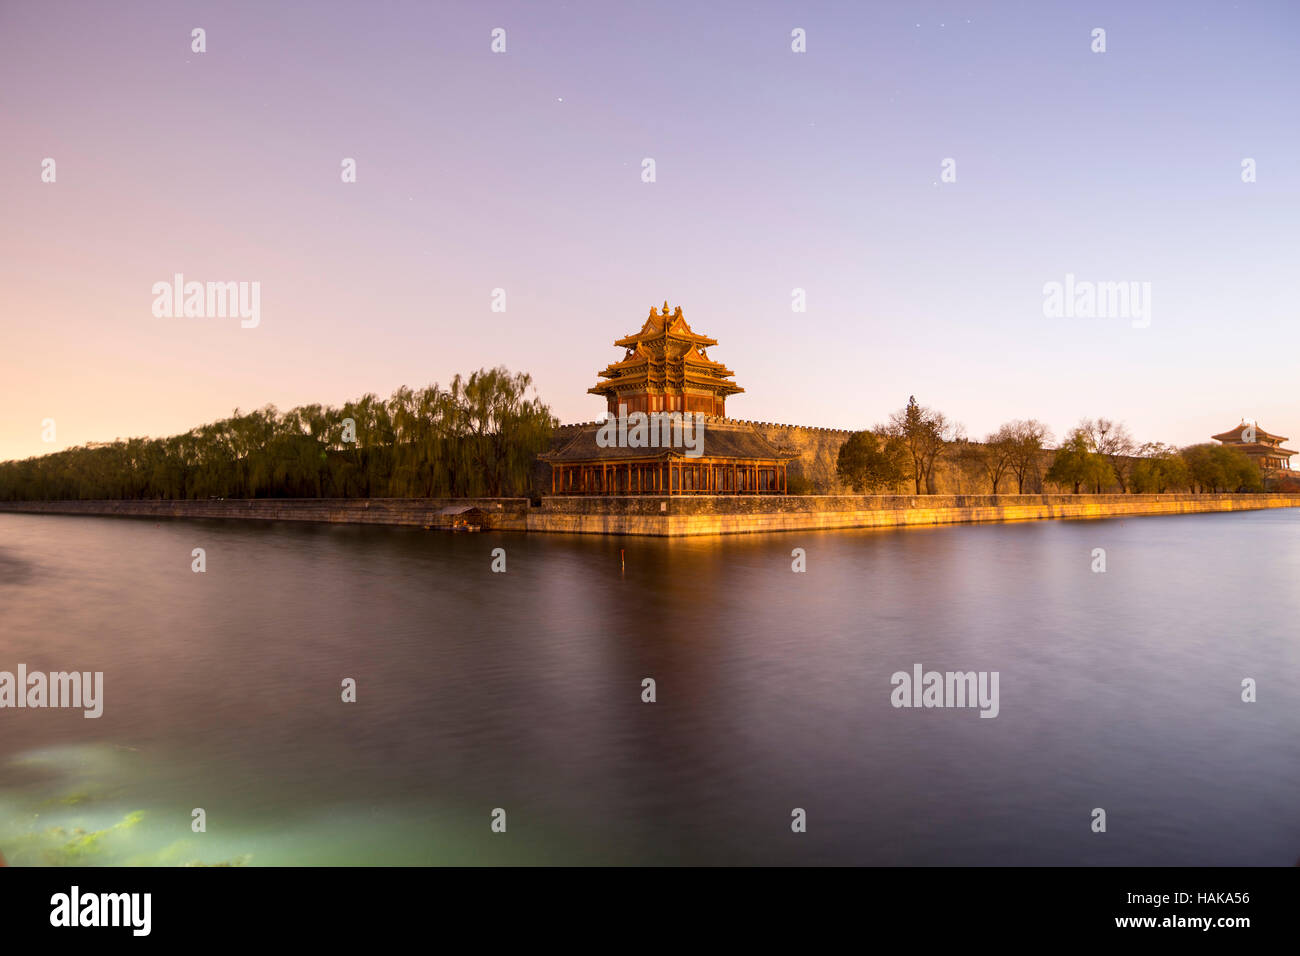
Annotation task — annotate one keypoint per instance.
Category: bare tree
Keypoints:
(1027, 439)
(1113, 442)
(925, 435)
(994, 456)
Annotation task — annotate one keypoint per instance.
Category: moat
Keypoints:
(522, 690)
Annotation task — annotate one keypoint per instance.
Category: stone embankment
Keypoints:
(677, 515)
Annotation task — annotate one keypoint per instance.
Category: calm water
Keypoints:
(523, 691)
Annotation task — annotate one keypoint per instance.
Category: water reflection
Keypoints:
(523, 691)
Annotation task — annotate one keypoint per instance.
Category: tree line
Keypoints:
(1096, 455)
(477, 437)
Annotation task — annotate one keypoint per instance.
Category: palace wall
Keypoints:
(813, 471)
(817, 449)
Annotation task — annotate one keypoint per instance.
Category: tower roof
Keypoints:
(666, 354)
(1235, 435)
(662, 325)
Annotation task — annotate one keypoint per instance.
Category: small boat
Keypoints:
(464, 518)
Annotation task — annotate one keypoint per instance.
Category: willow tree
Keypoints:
(508, 429)
(478, 436)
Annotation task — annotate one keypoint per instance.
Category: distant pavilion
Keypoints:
(1265, 450)
(666, 370)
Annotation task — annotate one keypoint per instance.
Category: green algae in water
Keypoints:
(71, 806)
(70, 845)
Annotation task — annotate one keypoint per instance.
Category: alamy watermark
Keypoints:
(947, 689)
(75, 908)
(653, 430)
(1084, 299)
(57, 689)
(208, 300)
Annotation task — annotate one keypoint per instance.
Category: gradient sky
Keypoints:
(775, 170)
